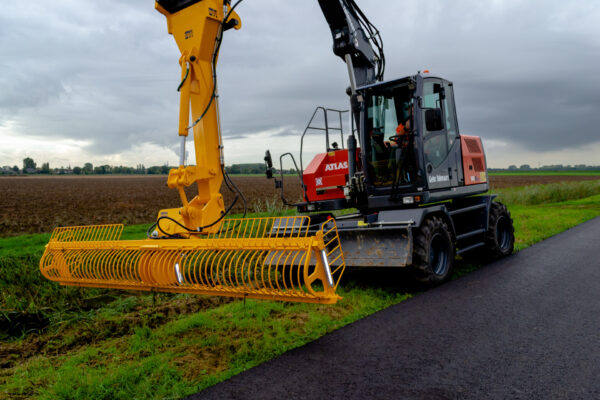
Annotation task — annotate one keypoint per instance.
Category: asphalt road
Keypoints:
(525, 327)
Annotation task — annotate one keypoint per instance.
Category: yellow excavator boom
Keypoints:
(198, 31)
(194, 249)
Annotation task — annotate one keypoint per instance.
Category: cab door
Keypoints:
(441, 147)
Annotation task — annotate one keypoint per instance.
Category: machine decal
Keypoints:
(189, 34)
(318, 181)
(336, 166)
(439, 178)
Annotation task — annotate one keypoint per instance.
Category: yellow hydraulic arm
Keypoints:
(198, 31)
(194, 249)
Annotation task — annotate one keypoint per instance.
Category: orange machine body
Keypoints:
(326, 176)
(474, 165)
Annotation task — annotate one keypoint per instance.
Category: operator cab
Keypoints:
(389, 139)
(409, 153)
(409, 136)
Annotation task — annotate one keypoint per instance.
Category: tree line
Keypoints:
(553, 167)
(31, 167)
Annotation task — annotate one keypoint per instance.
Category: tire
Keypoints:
(433, 252)
(500, 236)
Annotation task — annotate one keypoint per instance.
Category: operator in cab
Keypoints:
(400, 157)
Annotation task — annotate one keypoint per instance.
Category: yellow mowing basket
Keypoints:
(282, 258)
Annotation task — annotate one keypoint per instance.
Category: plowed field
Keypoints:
(33, 204)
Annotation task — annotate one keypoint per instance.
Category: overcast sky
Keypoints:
(96, 80)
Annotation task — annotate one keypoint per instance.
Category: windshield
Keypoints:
(389, 126)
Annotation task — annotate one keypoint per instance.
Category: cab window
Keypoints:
(387, 109)
(435, 142)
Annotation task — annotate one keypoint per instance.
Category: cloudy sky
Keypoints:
(96, 80)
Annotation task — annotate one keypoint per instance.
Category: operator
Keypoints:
(403, 129)
(402, 139)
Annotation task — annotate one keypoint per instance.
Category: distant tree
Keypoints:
(103, 169)
(154, 170)
(122, 170)
(164, 169)
(525, 167)
(15, 168)
(512, 167)
(45, 168)
(88, 168)
(28, 163)
(77, 170)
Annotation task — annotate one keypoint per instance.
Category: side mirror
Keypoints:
(268, 159)
(268, 164)
(433, 120)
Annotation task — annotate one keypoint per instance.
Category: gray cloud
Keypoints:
(106, 72)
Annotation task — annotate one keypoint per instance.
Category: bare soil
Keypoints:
(37, 204)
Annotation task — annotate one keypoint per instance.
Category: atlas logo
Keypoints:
(336, 166)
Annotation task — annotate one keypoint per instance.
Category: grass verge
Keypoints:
(121, 345)
(550, 193)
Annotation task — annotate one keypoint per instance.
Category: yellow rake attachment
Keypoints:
(282, 258)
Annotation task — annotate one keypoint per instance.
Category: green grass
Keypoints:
(104, 344)
(25, 245)
(533, 224)
(189, 353)
(550, 193)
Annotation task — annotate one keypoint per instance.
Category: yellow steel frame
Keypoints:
(262, 258)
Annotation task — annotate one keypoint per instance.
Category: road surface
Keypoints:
(525, 327)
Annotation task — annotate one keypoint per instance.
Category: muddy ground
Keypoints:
(36, 204)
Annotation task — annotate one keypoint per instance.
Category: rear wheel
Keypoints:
(500, 236)
(433, 252)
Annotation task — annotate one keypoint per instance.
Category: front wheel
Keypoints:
(433, 252)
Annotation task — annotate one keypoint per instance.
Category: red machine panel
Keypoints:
(473, 160)
(326, 176)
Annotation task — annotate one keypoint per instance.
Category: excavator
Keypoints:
(416, 184)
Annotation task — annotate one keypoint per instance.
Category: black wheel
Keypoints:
(433, 252)
(500, 236)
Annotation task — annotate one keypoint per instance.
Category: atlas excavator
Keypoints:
(417, 186)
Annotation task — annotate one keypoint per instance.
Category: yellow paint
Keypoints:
(262, 258)
(195, 30)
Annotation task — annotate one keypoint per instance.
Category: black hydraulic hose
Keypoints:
(200, 228)
(187, 72)
(374, 36)
(218, 42)
(227, 178)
